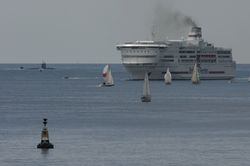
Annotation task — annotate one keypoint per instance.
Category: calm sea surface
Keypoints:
(184, 125)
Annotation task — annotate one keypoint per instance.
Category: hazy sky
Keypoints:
(86, 31)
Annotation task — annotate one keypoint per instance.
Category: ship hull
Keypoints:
(182, 72)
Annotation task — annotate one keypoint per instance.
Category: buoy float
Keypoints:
(45, 144)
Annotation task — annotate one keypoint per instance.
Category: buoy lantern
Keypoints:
(45, 144)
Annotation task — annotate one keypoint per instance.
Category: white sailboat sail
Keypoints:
(168, 77)
(195, 75)
(107, 76)
(146, 91)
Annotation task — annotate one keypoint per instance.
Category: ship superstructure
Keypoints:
(179, 56)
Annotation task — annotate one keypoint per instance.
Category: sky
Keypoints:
(86, 31)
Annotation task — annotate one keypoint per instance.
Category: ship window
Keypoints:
(187, 60)
(188, 52)
(167, 60)
(207, 61)
(169, 56)
(216, 72)
(207, 56)
(147, 64)
(180, 72)
(183, 56)
(225, 56)
(225, 61)
(223, 52)
(192, 56)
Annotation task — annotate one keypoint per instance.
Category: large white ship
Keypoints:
(179, 56)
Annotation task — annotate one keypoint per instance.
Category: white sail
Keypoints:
(168, 77)
(146, 91)
(195, 75)
(107, 76)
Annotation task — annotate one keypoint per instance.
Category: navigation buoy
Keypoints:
(45, 144)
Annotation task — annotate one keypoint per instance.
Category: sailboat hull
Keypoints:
(198, 82)
(107, 85)
(146, 99)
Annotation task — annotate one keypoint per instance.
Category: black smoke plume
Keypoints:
(170, 24)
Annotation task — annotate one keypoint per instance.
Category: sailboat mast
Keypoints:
(146, 91)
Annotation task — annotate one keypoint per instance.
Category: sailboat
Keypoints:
(168, 77)
(146, 92)
(195, 75)
(107, 76)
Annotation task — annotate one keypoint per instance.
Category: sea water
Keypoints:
(185, 124)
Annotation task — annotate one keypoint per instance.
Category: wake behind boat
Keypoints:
(107, 77)
(146, 97)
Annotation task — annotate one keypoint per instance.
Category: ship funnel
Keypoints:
(195, 33)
